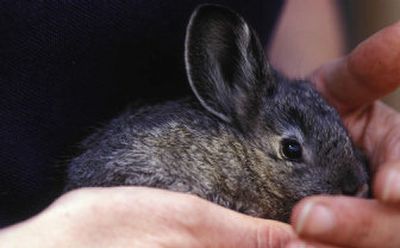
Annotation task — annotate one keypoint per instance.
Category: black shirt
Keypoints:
(66, 66)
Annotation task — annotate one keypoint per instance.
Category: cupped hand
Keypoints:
(354, 84)
(142, 217)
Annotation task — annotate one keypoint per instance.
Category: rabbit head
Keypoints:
(302, 145)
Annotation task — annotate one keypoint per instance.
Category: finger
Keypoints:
(245, 231)
(377, 130)
(387, 183)
(215, 226)
(345, 221)
(183, 220)
(369, 72)
(308, 244)
(221, 227)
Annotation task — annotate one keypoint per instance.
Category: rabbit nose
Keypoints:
(358, 191)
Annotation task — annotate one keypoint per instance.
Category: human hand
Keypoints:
(353, 84)
(142, 217)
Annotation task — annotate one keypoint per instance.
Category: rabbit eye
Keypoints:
(291, 149)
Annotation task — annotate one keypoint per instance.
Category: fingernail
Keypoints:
(315, 218)
(391, 189)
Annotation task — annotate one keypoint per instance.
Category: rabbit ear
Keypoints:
(225, 64)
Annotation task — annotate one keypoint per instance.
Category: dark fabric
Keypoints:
(66, 66)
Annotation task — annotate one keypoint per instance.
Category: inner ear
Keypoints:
(225, 63)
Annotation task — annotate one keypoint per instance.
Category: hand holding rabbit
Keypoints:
(354, 84)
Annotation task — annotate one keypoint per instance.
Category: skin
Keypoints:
(309, 33)
(142, 217)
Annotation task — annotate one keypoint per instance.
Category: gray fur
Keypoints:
(224, 143)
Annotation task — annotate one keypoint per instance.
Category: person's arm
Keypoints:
(309, 33)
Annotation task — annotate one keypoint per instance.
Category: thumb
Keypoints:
(369, 72)
(182, 220)
(211, 225)
(347, 222)
(205, 224)
(237, 230)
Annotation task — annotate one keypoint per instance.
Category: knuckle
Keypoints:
(272, 236)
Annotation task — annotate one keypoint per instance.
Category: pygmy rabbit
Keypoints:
(248, 139)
